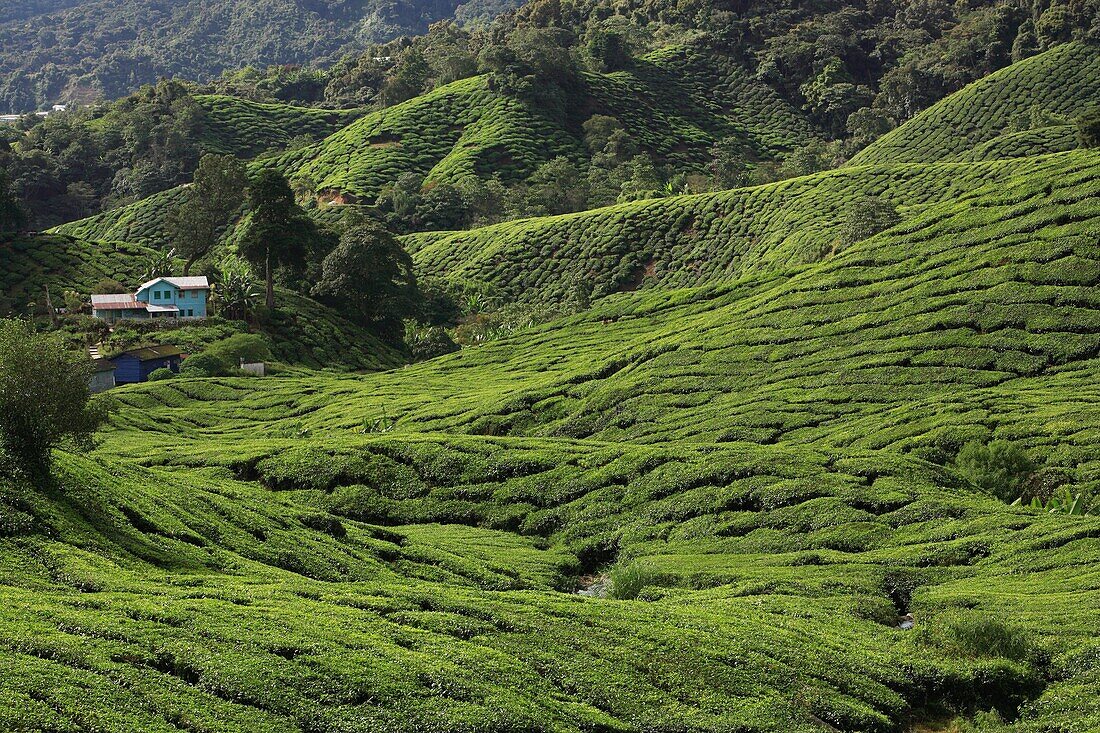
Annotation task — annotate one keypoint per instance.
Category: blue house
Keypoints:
(137, 364)
(162, 297)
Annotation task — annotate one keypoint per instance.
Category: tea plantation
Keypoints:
(724, 495)
(235, 126)
(1043, 91)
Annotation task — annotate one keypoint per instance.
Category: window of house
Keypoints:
(190, 311)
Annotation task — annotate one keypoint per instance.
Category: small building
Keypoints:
(137, 364)
(103, 376)
(162, 297)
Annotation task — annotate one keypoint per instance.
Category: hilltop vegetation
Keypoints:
(81, 51)
(1026, 109)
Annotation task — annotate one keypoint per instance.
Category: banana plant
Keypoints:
(1065, 503)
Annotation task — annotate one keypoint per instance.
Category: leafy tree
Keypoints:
(371, 275)
(831, 96)
(12, 217)
(557, 187)
(216, 194)
(44, 397)
(159, 264)
(1000, 467)
(866, 217)
(729, 164)
(408, 79)
(643, 180)
(278, 232)
(1088, 128)
(108, 287)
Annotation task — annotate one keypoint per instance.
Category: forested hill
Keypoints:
(54, 50)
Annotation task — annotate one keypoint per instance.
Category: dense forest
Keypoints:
(82, 51)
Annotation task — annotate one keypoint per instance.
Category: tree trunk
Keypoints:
(270, 283)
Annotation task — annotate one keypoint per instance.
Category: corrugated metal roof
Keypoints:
(116, 301)
(161, 308)
(152, 352)
(193, 282)
(103, 365)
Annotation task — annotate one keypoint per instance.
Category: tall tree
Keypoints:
(216, 194)
(370, 274)
(278, 232)
(12, 216)
(44, 397)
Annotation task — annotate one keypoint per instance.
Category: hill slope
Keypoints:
(296, 571)
(108, 48)
(1059, 82)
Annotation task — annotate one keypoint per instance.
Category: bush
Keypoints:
(1088, 129)
(44, 397)
(246, 346)
(202, 365)
(159, 375)
(428, 342)
(1001, 468)
(627, 581)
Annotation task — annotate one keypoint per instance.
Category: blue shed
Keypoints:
(137, 364)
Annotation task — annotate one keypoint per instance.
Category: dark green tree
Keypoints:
(369, 274)
(44, 397)
(216, 194)
(278, 232)
(1088, 128)
(866, 217)
(12, 216)
(1000, 467)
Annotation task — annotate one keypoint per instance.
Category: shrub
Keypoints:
(427, 342)
(246, 346)
(202, 365)
(627, 581)
(984, 636)
(1000, 467)
(158, 375)
(1088, 129)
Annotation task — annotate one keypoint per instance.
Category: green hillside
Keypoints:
(676, 103)
(1060, 83)
(234, 126)
(144, 222)
(686, 240)
(29, 264)
(761, 461)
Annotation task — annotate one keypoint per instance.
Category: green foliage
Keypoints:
(1000, 467)
(44, 398)
(1063, 503)
(12, 217)
(1088, 128)
(955, 128)
(627, 581)
(215, 195)
(159, 375)
(867, 217)
(277, 232)
(369, 274)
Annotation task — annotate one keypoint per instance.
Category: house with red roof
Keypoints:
(162, 297)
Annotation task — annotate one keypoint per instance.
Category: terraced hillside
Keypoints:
(29, 264)
(688, 240)
(235, 126)
(972, 124)
(975, 317)
(756, 461)
(676, 103)
(143, 223)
